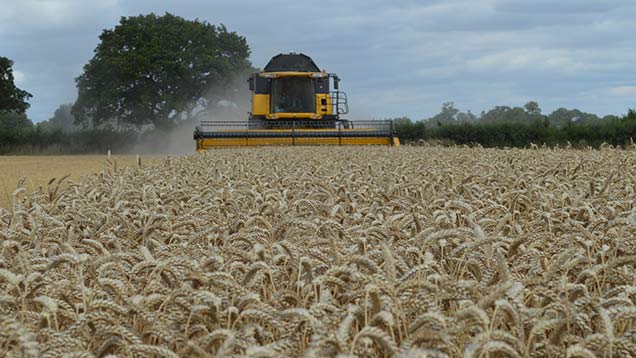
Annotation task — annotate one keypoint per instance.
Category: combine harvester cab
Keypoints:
(293, 104)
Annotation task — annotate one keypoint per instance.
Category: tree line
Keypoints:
(505, 126)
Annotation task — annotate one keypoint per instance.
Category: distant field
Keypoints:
(39, 170)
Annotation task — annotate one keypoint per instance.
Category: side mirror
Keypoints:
(336, 81)
(251, 82)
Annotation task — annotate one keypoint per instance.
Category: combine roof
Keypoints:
(297, 62)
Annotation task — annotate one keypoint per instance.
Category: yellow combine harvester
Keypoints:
(292, 104)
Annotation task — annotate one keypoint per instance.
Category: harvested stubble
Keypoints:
(429, 252)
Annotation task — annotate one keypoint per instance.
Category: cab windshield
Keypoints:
(293, 95)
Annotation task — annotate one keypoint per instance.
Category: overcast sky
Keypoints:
(396, 58)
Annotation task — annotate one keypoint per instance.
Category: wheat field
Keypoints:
(35, 171)
(328, 252)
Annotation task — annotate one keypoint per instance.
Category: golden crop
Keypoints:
(34, 171)
(325, 252)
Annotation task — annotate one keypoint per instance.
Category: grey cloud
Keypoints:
(559, 7)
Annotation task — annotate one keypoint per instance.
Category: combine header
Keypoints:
(292, 104)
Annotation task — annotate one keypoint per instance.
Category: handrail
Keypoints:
(339, 102)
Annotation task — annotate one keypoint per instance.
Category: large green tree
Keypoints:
(12, 99)
(158, 69)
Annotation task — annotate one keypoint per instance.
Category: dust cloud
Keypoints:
(227, 102)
